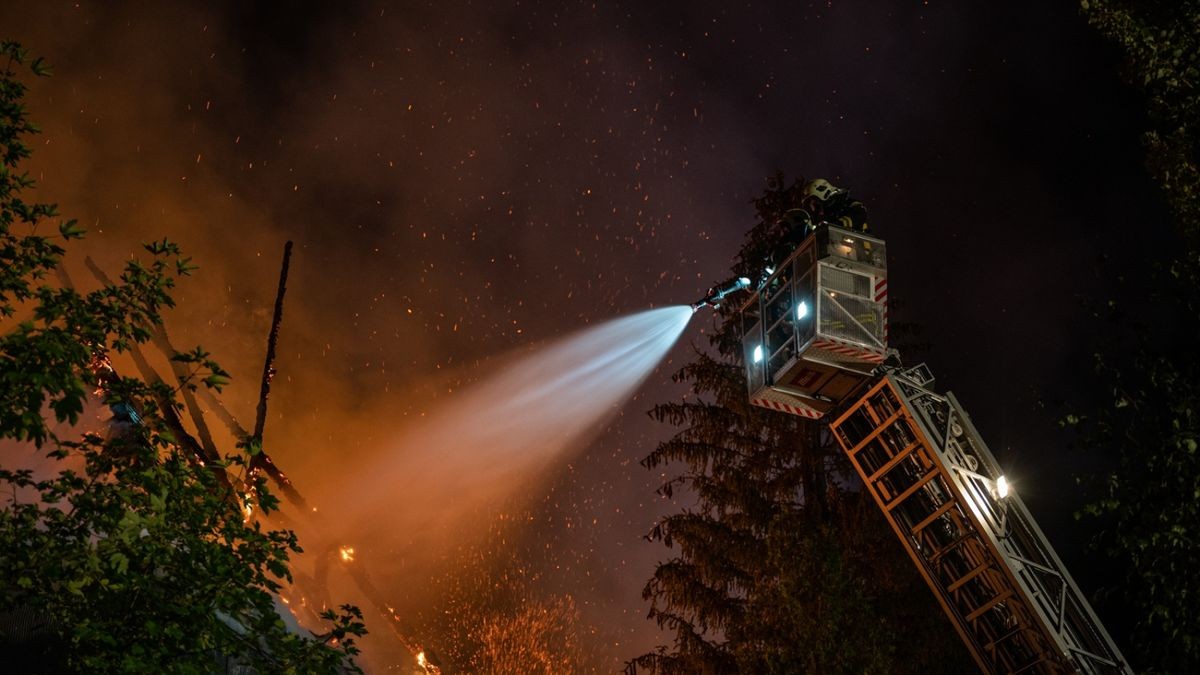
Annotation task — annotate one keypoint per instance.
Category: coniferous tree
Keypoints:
(782, 565)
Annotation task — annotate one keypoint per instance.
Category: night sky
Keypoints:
(466, 180)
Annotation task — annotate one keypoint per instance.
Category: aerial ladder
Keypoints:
(815, 345)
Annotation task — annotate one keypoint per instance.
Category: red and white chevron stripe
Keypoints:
(784, 407)
(849, 350)
(881, 297)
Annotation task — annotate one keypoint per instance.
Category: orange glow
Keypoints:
(347, 553)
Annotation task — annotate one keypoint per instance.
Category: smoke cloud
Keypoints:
(464, 181)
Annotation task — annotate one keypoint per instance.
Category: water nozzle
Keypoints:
(715, 295)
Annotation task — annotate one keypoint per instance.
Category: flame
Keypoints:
(347, 553)
(424, 663)
(101, 367)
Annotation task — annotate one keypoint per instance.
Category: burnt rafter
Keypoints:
(261, 461)
(204, 452)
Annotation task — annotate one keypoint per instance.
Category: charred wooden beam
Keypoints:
(272, 340)
(262, 461)
(180, 371)
(205, 454)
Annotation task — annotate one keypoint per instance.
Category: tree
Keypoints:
(138, 554)
(1161, 43)
(496, 614)
(783, 565)
(1147, 508)
(541, 637)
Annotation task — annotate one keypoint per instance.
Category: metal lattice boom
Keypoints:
(996, 576)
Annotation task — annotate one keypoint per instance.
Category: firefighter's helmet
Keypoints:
(821, 189)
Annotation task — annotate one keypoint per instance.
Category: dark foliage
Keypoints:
(1147, 508)
(136, 555)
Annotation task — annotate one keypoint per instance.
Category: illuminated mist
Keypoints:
(479, 446)
(442, 483)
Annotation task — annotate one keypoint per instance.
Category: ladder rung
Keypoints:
(941, 511)
(941, 552)
(891, 463)
(1029, 666)
(871, 404)
(991, 603)
(991, 646)
(874, 434)
(967, 577)
(912, 488)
